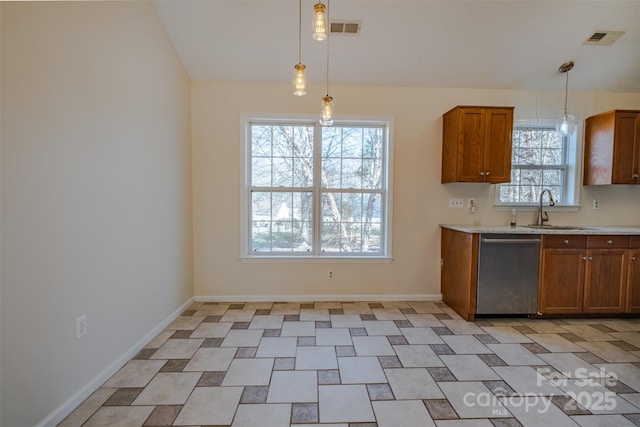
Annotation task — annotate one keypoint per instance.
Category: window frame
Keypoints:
(246, 253)
(572, 170)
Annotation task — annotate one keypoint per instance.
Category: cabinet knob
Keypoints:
(566, 241)
(481, 173)
(635, 176)
(590, 258)
(584, 258)
(633, 258)
(487, 173)
(609, 241)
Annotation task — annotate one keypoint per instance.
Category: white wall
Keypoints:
(96, 194)
(420, 201)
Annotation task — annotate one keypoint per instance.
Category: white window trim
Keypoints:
(573, 173)
(245, 205)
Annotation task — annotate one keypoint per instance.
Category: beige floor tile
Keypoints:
(277, 347)
(293, 386)
(346, 321)
(388, 314)
(212, 330)
(271, 321)
(310, 314)
(260, 415)
(210, 405)
(212, 310)
(468, 367)
(555, 343)
(473, 400)
(178, 349)
(298, 329)
(83, 412)
(243, 372)
(333, 336)
(609, 352)
(588, 332)
(412, 383)
(211, 359)
(160, 339)
(421, 336)
(462, 327)
(359, 370)
(381, 327)
(168, 388)
(506, 334)
(316, 358)
(602, 421)
(536, 411)
(372, 346)
(515, 354)
(465, 344)
(242, 338)
(402, 413)
(424, 307)
(424, 320)
(136, 373)
(238, 316)
(417, 356)
(185, 323)
(344, 403)
(119, 416)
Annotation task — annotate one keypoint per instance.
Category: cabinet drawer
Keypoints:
(608, 242)
(564, 241)
(634, 242)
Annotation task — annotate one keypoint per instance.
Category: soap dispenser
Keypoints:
(513, 217)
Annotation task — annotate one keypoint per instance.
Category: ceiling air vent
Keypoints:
(346, 27)
(603, 37)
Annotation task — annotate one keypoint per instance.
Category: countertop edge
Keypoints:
(505, 229)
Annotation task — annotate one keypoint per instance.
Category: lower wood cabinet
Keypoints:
(633, 276)
(588, 274)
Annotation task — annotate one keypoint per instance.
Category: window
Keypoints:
(540, 159)
(317, 191)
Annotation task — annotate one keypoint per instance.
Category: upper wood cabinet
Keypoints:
(612, 148)
(476, 144)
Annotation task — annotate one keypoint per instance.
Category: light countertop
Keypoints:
(505, 229)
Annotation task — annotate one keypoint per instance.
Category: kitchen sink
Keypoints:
(557, 227)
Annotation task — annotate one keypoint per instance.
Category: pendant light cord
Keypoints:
(300, 32)
(328, 38)
(566, 92)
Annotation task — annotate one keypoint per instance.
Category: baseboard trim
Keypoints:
(318, 298)
(67, 407)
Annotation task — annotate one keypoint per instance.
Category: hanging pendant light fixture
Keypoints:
(326, 115)
(299, 79)
(567, 122)
(320, 21)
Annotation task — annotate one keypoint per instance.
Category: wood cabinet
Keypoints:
(612, 148)
(459, 271)
(633, 276)
(605, 285)
(562, 269)
(476, 144)
(581, 274)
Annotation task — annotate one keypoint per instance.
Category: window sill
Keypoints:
(536, 207)
(268, 259)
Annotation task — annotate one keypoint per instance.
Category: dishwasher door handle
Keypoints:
(488, 240)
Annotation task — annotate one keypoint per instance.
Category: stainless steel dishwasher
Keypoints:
(508, 269)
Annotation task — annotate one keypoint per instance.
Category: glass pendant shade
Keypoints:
(326, 118)
(319, 22)
(566, 124)
(299, 81)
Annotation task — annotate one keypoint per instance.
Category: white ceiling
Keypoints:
(509, 44)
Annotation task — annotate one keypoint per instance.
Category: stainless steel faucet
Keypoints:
(544, 216)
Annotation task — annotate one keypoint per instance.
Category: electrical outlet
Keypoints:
(596, 204)
(81, 326)
(472, 205)
(330, 275)
(456, 203)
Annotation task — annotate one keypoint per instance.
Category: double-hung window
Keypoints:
(541, 159)
(315, 191)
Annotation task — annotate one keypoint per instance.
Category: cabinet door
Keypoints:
(471, 145)
(626, 149)
(497, 145)
(633, 282)
(561, 283)
(605, 281)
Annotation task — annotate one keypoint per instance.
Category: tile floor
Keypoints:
(384, 364)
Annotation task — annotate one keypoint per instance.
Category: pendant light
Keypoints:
(319, 21)
(299, 79)
(326, 115)
(567, 122)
